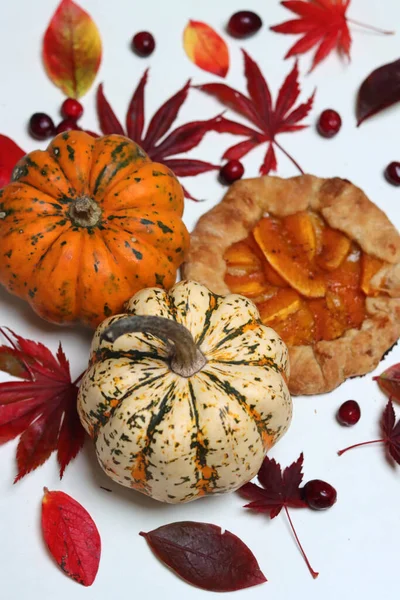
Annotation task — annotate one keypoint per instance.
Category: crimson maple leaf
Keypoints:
(389, 381)
(322, 23)
(258, 108)
(280, 490)
(390, 434)
(41, 407)
(159, 142)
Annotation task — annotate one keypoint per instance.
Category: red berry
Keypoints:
(231, 171)
(41, 126)
(319, 494)
(329, 123)
(243, 24)
(143, 43)
(71, 109)
(392, 173)
(67, 125)
(349, 413)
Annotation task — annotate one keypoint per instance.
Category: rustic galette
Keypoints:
(320, 261)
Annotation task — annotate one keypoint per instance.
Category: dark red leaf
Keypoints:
(288, 94)
(239, 150)
(234, 100)
(187, 167)
(270, 163)
(380, 90)
(182, 139)
(14, 428)
(205, 557)
(390, 434)
(164, 118)
(258, 91)
(71, 536)
(259, 110)
(222, 125)
(188, 195)
(71, 439)
(279, 491)
(41, 407)
(135, 114)
(108, 121)
(38, 442)
(10, 154)
(389, 382)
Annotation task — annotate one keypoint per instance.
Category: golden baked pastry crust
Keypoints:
(324, 365)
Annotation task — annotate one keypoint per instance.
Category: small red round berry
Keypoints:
(143, 43)
(41, 126)
(329, 123)
(319, 494)
(392, 173)
(231, 171)
(67, 125)
(71, 109)
(349, 413)
(243, 24)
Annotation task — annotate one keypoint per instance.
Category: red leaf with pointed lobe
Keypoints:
(271, 120)
(323, 24)
(10, 154)
(205, 557)
(159, 142)
(41, 407)
(109, 123)
(71, 536)
(280, 490)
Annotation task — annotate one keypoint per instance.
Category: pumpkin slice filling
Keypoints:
(309, 281)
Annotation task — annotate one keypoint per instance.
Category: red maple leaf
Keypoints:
(321, 23)
(41, 407)
(258, 108)
(280, 490)
(159, 142)
(390, 434)
(10, 154)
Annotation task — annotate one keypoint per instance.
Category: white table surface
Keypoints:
(354, 545)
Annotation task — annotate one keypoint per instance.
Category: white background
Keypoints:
(354, 545)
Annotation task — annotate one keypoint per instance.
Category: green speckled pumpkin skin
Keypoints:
(86, 224)
(176, 438)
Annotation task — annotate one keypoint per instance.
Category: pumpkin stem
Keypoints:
(85, 212)
(186, 358)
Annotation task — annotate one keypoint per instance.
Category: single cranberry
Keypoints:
(67, 125)
(231, 171)
(392, 173)
(329, 123)
(143, 43)
(349, 413)
(243, 24)
(71, 109)
(319, 494)
(41, 126)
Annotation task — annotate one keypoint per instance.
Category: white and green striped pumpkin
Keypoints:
(185, 393)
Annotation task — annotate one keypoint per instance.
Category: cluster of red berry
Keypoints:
(41, 125)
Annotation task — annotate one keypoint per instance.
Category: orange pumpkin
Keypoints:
(87, 223)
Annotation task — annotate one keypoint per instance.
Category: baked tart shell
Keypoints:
(324, 365)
